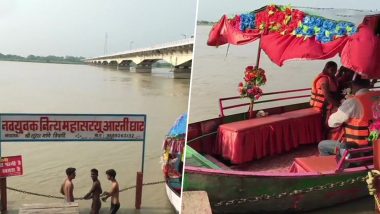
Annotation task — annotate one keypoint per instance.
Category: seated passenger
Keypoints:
(323, 92)
(344, 78)
(356, 114)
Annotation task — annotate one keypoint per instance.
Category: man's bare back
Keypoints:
(67, 189)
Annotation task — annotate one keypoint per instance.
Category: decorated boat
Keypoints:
(172, 160)
(267, 160)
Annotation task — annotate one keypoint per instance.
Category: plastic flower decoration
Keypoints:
(288, 21)
(247, 22)
(324, 30)
(374, 128)
(253, 79)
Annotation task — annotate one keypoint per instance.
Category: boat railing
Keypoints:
(223, 102)
(223, 106)
(362, 158)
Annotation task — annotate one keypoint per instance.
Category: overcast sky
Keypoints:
(78, 27)
(212, 10)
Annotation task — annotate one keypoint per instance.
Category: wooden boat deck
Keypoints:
(278, 163)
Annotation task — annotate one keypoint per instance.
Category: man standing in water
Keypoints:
(67, 188)
(95, 192)
(113, 193)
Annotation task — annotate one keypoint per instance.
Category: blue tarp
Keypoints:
(179, 127)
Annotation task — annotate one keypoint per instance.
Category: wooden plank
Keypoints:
(217, 162)
(50, 208)
(195, 202)
(50, 205)
(50, 211)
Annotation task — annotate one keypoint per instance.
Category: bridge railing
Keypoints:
(171, 44)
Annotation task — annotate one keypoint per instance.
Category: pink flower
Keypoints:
(240, 84)
(375, 126)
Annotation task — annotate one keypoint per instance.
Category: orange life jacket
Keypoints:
(318, 99)
(356, 129)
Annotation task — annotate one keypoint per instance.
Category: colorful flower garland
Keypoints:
(288, 21)
(253, 79)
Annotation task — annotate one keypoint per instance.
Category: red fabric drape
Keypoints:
(280, 48)
(362, 52)
(224, 32)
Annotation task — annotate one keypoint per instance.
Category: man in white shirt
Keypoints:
(351, 109)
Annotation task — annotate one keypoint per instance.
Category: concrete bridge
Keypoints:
(178, 53)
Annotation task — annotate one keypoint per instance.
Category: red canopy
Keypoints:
(224, 32)
(359, 52)
(362, 51)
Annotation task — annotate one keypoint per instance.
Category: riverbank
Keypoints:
(66, 89)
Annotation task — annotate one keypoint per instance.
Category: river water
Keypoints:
(216, 76)
(58, 88)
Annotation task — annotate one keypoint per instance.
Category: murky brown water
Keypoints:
(216, 76)
(56, 88)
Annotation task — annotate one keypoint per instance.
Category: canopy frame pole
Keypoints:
(228, 48)
(259, 52)
(354, 77)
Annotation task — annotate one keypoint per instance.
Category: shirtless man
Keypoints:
(95, 192)
(67, 188)
(113, 193)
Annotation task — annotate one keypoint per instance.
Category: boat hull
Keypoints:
(173, 197)
(235, 191)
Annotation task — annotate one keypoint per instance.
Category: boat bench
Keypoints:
(323, 164)
(319, 164)
(248, 140)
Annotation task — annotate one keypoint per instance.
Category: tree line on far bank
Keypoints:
(43, 59)
(61, 60)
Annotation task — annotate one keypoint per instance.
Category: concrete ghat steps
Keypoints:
(195, 202)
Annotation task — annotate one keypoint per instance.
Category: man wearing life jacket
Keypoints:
(324, 87)
(355, 114)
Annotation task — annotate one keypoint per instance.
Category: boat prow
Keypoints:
(173, 197)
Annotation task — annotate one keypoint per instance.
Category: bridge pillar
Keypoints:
(113, 65)
(144, 68)
(123, 67)
(181, 72)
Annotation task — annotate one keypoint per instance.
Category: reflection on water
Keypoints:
(216, 76)
(56, 88)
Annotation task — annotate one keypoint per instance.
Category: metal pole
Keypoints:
(376, 163)
(259, 52)
(140, 175)
(3, 185)
(139, 184)
(354, 77)
(228, 48)
(143, 147)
